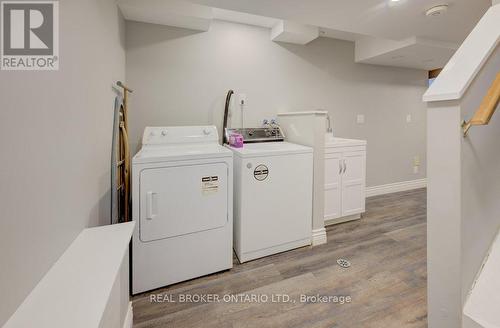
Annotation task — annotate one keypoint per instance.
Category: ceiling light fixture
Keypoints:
(436, 11)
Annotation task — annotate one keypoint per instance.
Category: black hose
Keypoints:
(226, 113)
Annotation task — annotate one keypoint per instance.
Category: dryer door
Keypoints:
(180, 200)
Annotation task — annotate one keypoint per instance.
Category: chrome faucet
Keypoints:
(226, 114)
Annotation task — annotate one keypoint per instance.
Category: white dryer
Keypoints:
(273, 194)
(182, 187)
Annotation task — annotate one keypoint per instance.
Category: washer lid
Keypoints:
(152, 154)
(270, 149)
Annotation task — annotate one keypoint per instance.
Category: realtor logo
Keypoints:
(29, 35)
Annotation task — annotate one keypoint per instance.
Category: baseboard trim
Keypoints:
(329, 222)
(319, 236)
(129, 317)
(396, 187)
(253, 255)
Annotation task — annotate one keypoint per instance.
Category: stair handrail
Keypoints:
(487, 108)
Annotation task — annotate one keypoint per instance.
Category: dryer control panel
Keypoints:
(179, 135)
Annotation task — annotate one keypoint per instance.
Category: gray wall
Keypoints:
(55, 139)
(480, 177)
(444, 286)
(181, 78)
(463, 212)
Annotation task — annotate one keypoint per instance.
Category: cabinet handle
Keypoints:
(345, 166)
(340, 167)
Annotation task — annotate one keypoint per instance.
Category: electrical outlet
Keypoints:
(416, 164)
(360, 119)
(242, 99)
(408, 118)
(416, 161)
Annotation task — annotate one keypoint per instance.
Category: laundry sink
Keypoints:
(329, 137)
(331, 141)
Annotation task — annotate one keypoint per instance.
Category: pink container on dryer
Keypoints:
(236, 140)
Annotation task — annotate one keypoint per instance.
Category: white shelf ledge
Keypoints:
(75, 291)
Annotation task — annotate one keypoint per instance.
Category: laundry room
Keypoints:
(212, 163)
(185, 76)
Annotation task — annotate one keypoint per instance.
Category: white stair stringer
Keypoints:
(482, 308)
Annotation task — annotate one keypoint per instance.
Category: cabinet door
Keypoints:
(353, 182)
(333, 186)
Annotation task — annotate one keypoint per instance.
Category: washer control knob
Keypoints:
(163, 133)
(249, 165)
(207, 132)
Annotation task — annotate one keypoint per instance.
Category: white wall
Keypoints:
(463, 215)
(55, 139)
(116, 312)
(480, 177)
(181, 78)
(444, 285)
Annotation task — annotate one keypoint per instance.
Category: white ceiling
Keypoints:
(244, 18)
(379, 18)
(385, 32)
(168, 12)
(413, 52)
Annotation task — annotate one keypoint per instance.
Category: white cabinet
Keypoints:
(333, 185)
(345, 180)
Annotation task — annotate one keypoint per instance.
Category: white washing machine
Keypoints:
(182, 191)
(273, 194)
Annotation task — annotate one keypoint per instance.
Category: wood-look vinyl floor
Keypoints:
(386, 281)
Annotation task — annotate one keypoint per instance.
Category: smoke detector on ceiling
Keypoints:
(436, 11)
